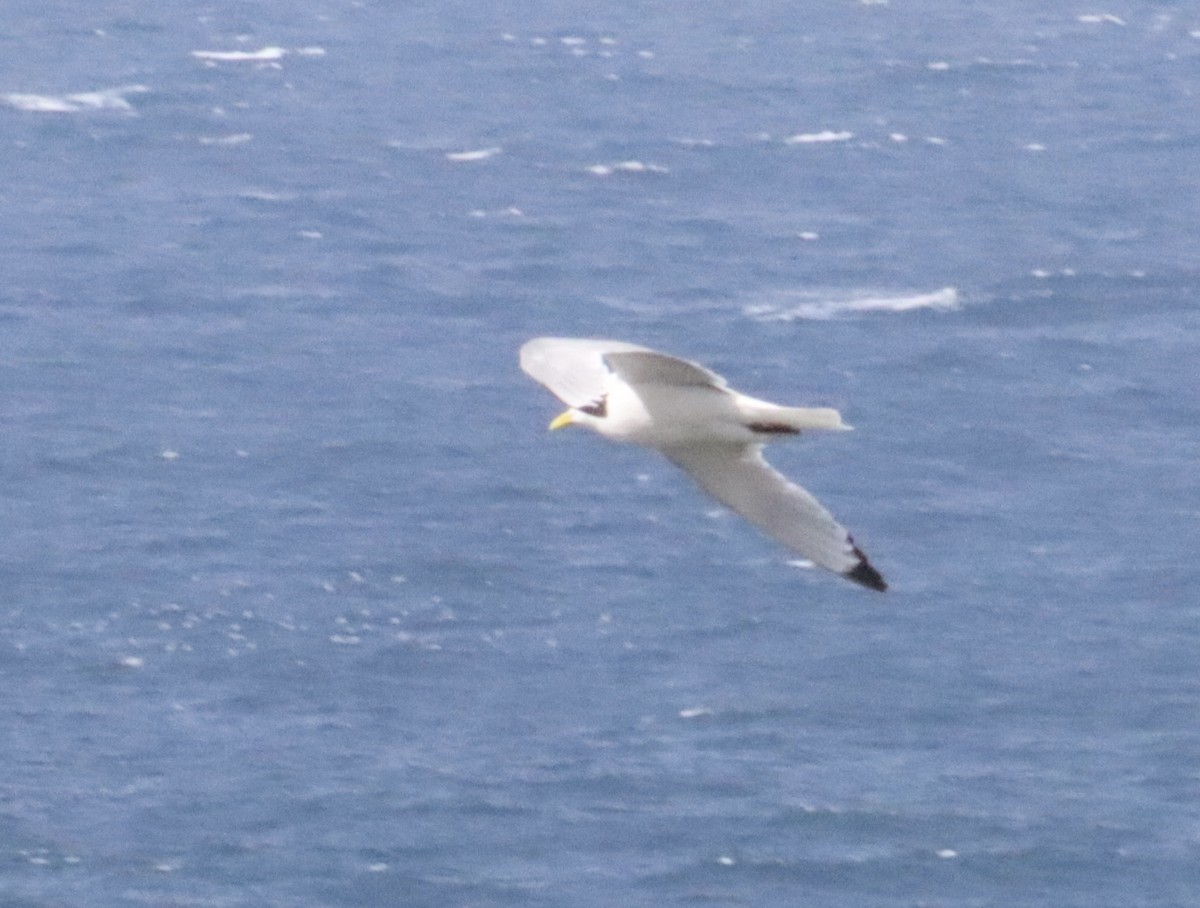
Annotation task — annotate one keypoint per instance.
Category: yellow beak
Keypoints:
(563, 419)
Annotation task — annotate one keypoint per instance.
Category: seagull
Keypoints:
(714, 434)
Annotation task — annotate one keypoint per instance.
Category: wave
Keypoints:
(270, 55)
(818, 309)
(607, 170)
(262, 55)
(819, 138)
(79, 102)
(481, 154)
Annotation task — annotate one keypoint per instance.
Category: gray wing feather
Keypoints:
(741, 479)
(649, 367)
(573, 370)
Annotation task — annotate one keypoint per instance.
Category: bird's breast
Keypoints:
(660, 416)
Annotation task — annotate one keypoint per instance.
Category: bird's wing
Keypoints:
(573, 370)
(637, 367)
(741, 479)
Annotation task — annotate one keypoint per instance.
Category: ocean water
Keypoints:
(301, 605)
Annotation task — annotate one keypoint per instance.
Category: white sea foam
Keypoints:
(237, 138)
(512, 211)
(481, 154)
(807, 306)
(262, 55)
(819, 138)
(103, 99)
(607, 170)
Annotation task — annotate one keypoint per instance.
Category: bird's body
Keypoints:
(688, 413)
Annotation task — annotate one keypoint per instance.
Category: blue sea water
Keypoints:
(300, 604)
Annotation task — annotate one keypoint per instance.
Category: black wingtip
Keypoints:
(865, 574)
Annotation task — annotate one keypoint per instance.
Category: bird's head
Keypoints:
(592, 415)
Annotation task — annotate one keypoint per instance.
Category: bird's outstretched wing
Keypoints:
(648, 367)
(576, 371)
(741, 479)
(573, 370)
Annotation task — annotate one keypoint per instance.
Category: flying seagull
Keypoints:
(704, 427)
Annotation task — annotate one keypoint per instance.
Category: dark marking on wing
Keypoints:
(864, 573)
(772, 428)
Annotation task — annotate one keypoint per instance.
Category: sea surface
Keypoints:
(301, 605)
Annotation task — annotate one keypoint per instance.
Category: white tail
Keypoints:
(772, 419)
(815, 418)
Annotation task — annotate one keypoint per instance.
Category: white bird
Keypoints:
(689, 414)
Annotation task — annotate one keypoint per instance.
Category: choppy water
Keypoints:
(300, 604)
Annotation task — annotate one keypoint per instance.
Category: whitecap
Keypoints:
(266, 195)
(512, 211)
(237, 138)
(103, 99)
(605, 170)
(39, 103)
(820, 309)
(481, 154)
(263, 55)
(818, 138)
